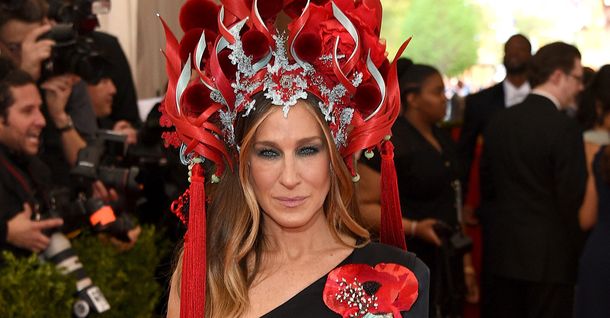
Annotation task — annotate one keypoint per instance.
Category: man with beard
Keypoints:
(480, 107)
(533, 176)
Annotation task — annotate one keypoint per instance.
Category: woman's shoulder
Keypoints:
(596, 137)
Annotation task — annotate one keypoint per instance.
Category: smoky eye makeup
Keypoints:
(266, 153)
(309, 150)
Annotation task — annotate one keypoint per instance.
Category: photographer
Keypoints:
(82, 15)
(102, 98)
(21, 123)
(23, 38)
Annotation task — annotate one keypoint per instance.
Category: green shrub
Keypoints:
(29, 288)
(127, 279)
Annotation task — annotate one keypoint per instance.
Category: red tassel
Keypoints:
(192, 289)
(391, 230)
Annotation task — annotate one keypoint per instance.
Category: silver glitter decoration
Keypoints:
(328, 58)
(238, 57)
(284, 84)
(249, 107)
(291, 84)
(357, 79)
(344, 120)
(227, 118)
(354, 296)
(217, 97)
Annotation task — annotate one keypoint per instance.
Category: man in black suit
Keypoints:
(481, 106)
(533, 175)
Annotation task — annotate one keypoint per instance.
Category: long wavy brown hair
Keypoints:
(235, 240)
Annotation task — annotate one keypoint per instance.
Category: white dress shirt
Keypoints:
(515, 95)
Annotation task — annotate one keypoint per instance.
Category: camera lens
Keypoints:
(80, 309)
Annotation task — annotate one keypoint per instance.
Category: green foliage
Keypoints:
(126, 278)
(444, 33)
(29, 288)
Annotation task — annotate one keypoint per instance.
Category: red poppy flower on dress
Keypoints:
(356, 290)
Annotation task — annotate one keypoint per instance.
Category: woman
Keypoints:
(593, 285)
(275, 135)
(286, 166)
(595, 97)
(427, 169)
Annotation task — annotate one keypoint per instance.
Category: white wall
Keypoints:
(135, 24)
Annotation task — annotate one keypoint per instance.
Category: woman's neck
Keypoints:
(293, 244)
(415, 118)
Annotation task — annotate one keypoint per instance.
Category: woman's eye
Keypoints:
(267, 153)
(308, 151)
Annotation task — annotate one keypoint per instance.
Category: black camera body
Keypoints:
(79, 211)
(73, 53)
(106, 159)
(454, 239)
(74, 50)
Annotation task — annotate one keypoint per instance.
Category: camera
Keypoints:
(79, 211)
(74, 51)
(90, 297)
(107, 159)
(59, 203)
(454, 239)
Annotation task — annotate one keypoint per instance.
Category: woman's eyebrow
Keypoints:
(305, 140)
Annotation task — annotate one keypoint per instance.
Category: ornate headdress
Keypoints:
(331, 49)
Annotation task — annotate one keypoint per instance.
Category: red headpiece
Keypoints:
(332, 50)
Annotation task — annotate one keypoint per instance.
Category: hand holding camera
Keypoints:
(35, 50)
(28, 234)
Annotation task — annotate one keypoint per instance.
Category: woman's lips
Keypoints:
(291, 202)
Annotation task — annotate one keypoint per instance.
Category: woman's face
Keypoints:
(431, 100)
(290, 168)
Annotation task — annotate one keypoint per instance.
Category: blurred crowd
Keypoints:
(504, 191)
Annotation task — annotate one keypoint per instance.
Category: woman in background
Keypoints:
(593, 285)
(595, 97)
(428, 171)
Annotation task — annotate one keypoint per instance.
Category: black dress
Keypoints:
(309, 302)
(593, 289)
(425, 185)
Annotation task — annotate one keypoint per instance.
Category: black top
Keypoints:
(17, 186)
(424, 174)
(309, 302)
